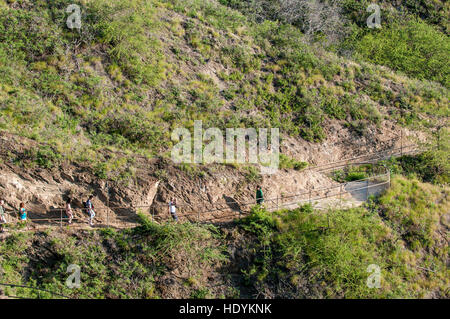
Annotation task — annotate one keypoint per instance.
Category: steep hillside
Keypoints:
(137, 69)
(287, 254)
(412, 36)
(91, 110)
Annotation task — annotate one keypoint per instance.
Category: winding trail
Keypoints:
(348, 195)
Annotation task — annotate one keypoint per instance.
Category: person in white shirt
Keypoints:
(2, 215)
(69, 211)
(173, 208)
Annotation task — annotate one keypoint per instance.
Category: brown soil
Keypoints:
(222, 188)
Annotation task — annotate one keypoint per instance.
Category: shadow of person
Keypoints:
(232, 203)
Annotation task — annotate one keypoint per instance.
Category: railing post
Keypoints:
(367, 189)
(438, 138)
(310, 191)
(60, 220)
(389, 177)
(152, 211)
(107, 204)
(340, 195)
(401, 141)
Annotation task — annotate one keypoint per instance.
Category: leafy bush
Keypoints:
(355, 176)
(252, 174)
(416, 209)
(290, 163)
(412, 47)
(353, 173)
(46, 157)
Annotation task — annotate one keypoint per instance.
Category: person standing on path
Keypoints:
(69, 211)
(259, 195)
(173, 208)
(22, 212)
(90, 210)
(2, 215)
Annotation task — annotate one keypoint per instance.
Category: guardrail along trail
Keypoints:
(38, 290)
(344, 195)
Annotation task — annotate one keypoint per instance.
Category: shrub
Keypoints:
(412, 47)
(46, 157)
(290, 163)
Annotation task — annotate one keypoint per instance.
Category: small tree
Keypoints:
(315, 18)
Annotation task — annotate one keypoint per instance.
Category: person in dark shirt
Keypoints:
(259, 195)
(90, 209)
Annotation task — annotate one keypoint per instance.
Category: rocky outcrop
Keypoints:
(203, 193)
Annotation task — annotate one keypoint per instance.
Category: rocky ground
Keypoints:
(210, 187)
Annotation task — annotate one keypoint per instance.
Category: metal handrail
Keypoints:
(240, 204)
(34, 288)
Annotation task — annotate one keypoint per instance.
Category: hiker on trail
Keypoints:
(173, 208)
(2, 215)
(90, 210)
(22, 212)
(69, 211)
(259, 195)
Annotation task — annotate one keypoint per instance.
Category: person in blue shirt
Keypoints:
(90, 210)
(2, 215)
(22, 212)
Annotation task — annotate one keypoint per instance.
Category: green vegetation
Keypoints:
(424, 166)
(137, 69)
(114, 264)
(431, 166)
(353, 173)
(413, 37)
(417, 209)
(300, 253)
(252, 174)
(114, 91)
(327, 254)
(413, 47)
(290, 163)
